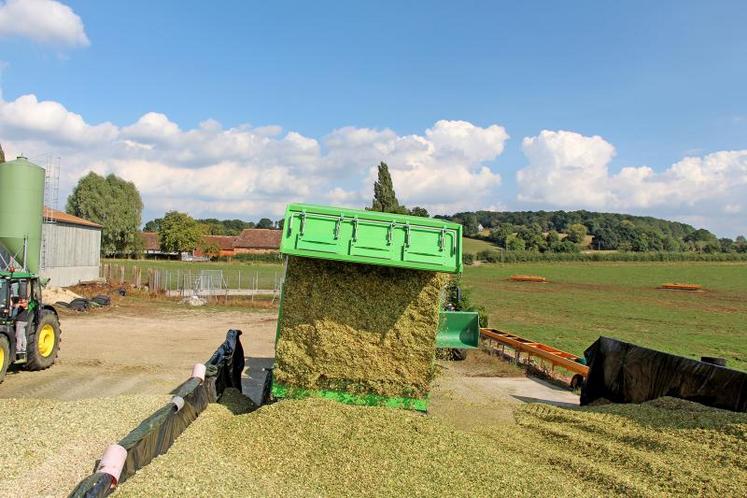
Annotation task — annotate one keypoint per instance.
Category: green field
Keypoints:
(473, 246)
(583, 301)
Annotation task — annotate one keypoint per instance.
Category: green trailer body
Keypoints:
(385, 239)
(370, 237)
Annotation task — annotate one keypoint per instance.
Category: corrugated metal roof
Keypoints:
(61, 217)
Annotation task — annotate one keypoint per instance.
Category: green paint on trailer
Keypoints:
(458, 330)
(418, 404)
(371, 237)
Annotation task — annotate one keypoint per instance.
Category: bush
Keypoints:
(489, 256)
(468, 258)
(270, 257)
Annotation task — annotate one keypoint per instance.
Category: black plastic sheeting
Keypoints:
(155, 435)
(625, 373)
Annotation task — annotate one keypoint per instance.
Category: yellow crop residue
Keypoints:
(358, 328)
(317, 447)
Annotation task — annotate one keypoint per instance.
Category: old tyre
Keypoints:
(577, 382)
(4, 356)
(458, 354)
(44, 342)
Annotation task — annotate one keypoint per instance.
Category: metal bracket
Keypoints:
(303, 222)
(337, 226)
(355, 229)
(441, 237)
(389, 232)
(407, 235)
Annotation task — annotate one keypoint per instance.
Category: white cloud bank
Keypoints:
(569, 170)
(44, 21)
(246, 171)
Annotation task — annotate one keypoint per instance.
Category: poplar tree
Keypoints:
(385, 200)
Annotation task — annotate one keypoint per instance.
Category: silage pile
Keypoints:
(51, 295)
(47, 446)
(316, 447)
(358, 328)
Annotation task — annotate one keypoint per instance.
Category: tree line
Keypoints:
(116, 204)
(567, 231)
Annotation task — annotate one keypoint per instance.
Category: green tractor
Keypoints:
(21, 215)
(42, 326)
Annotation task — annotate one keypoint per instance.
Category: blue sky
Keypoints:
(657, 82)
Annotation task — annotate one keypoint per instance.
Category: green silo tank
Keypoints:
(21, 210)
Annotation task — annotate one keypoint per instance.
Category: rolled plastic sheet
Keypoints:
(112, 462)
(625, 373)
(155, 435)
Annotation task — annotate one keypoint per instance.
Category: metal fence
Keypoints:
(203, 283)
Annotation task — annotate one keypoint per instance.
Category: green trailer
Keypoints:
(384, 239)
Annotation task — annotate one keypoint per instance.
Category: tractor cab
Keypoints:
(41, 330)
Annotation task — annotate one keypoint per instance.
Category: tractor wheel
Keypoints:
(4, 356)
(44, 343)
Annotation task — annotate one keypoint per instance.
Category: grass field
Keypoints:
(586, 300)
(473, 246)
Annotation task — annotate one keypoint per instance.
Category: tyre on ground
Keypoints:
(44, 342)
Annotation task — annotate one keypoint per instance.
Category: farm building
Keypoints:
(223, 243)
(249, 241)
(71, 249)
(257, 241)
(151, 245)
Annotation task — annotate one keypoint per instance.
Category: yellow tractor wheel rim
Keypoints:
(46, 340)
(2, 359)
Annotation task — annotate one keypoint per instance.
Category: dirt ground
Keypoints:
(137, 350)
(140, 348)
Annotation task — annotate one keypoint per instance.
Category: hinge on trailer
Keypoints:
(441, 237)
(407, 235)
(355, 229)
(389, 234)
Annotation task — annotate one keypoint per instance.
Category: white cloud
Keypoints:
(44, 21)
(565, 169)
(569, 170)
(444, 170)
(50, 120)
(245, 171)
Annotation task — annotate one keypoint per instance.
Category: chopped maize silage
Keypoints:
(48, 446)
(358, 328)
(317, 447)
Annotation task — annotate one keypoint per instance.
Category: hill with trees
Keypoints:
(571, 231)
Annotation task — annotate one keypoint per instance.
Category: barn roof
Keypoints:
(62, 217)
(258, 238)
(224, 242)
(150, 241)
